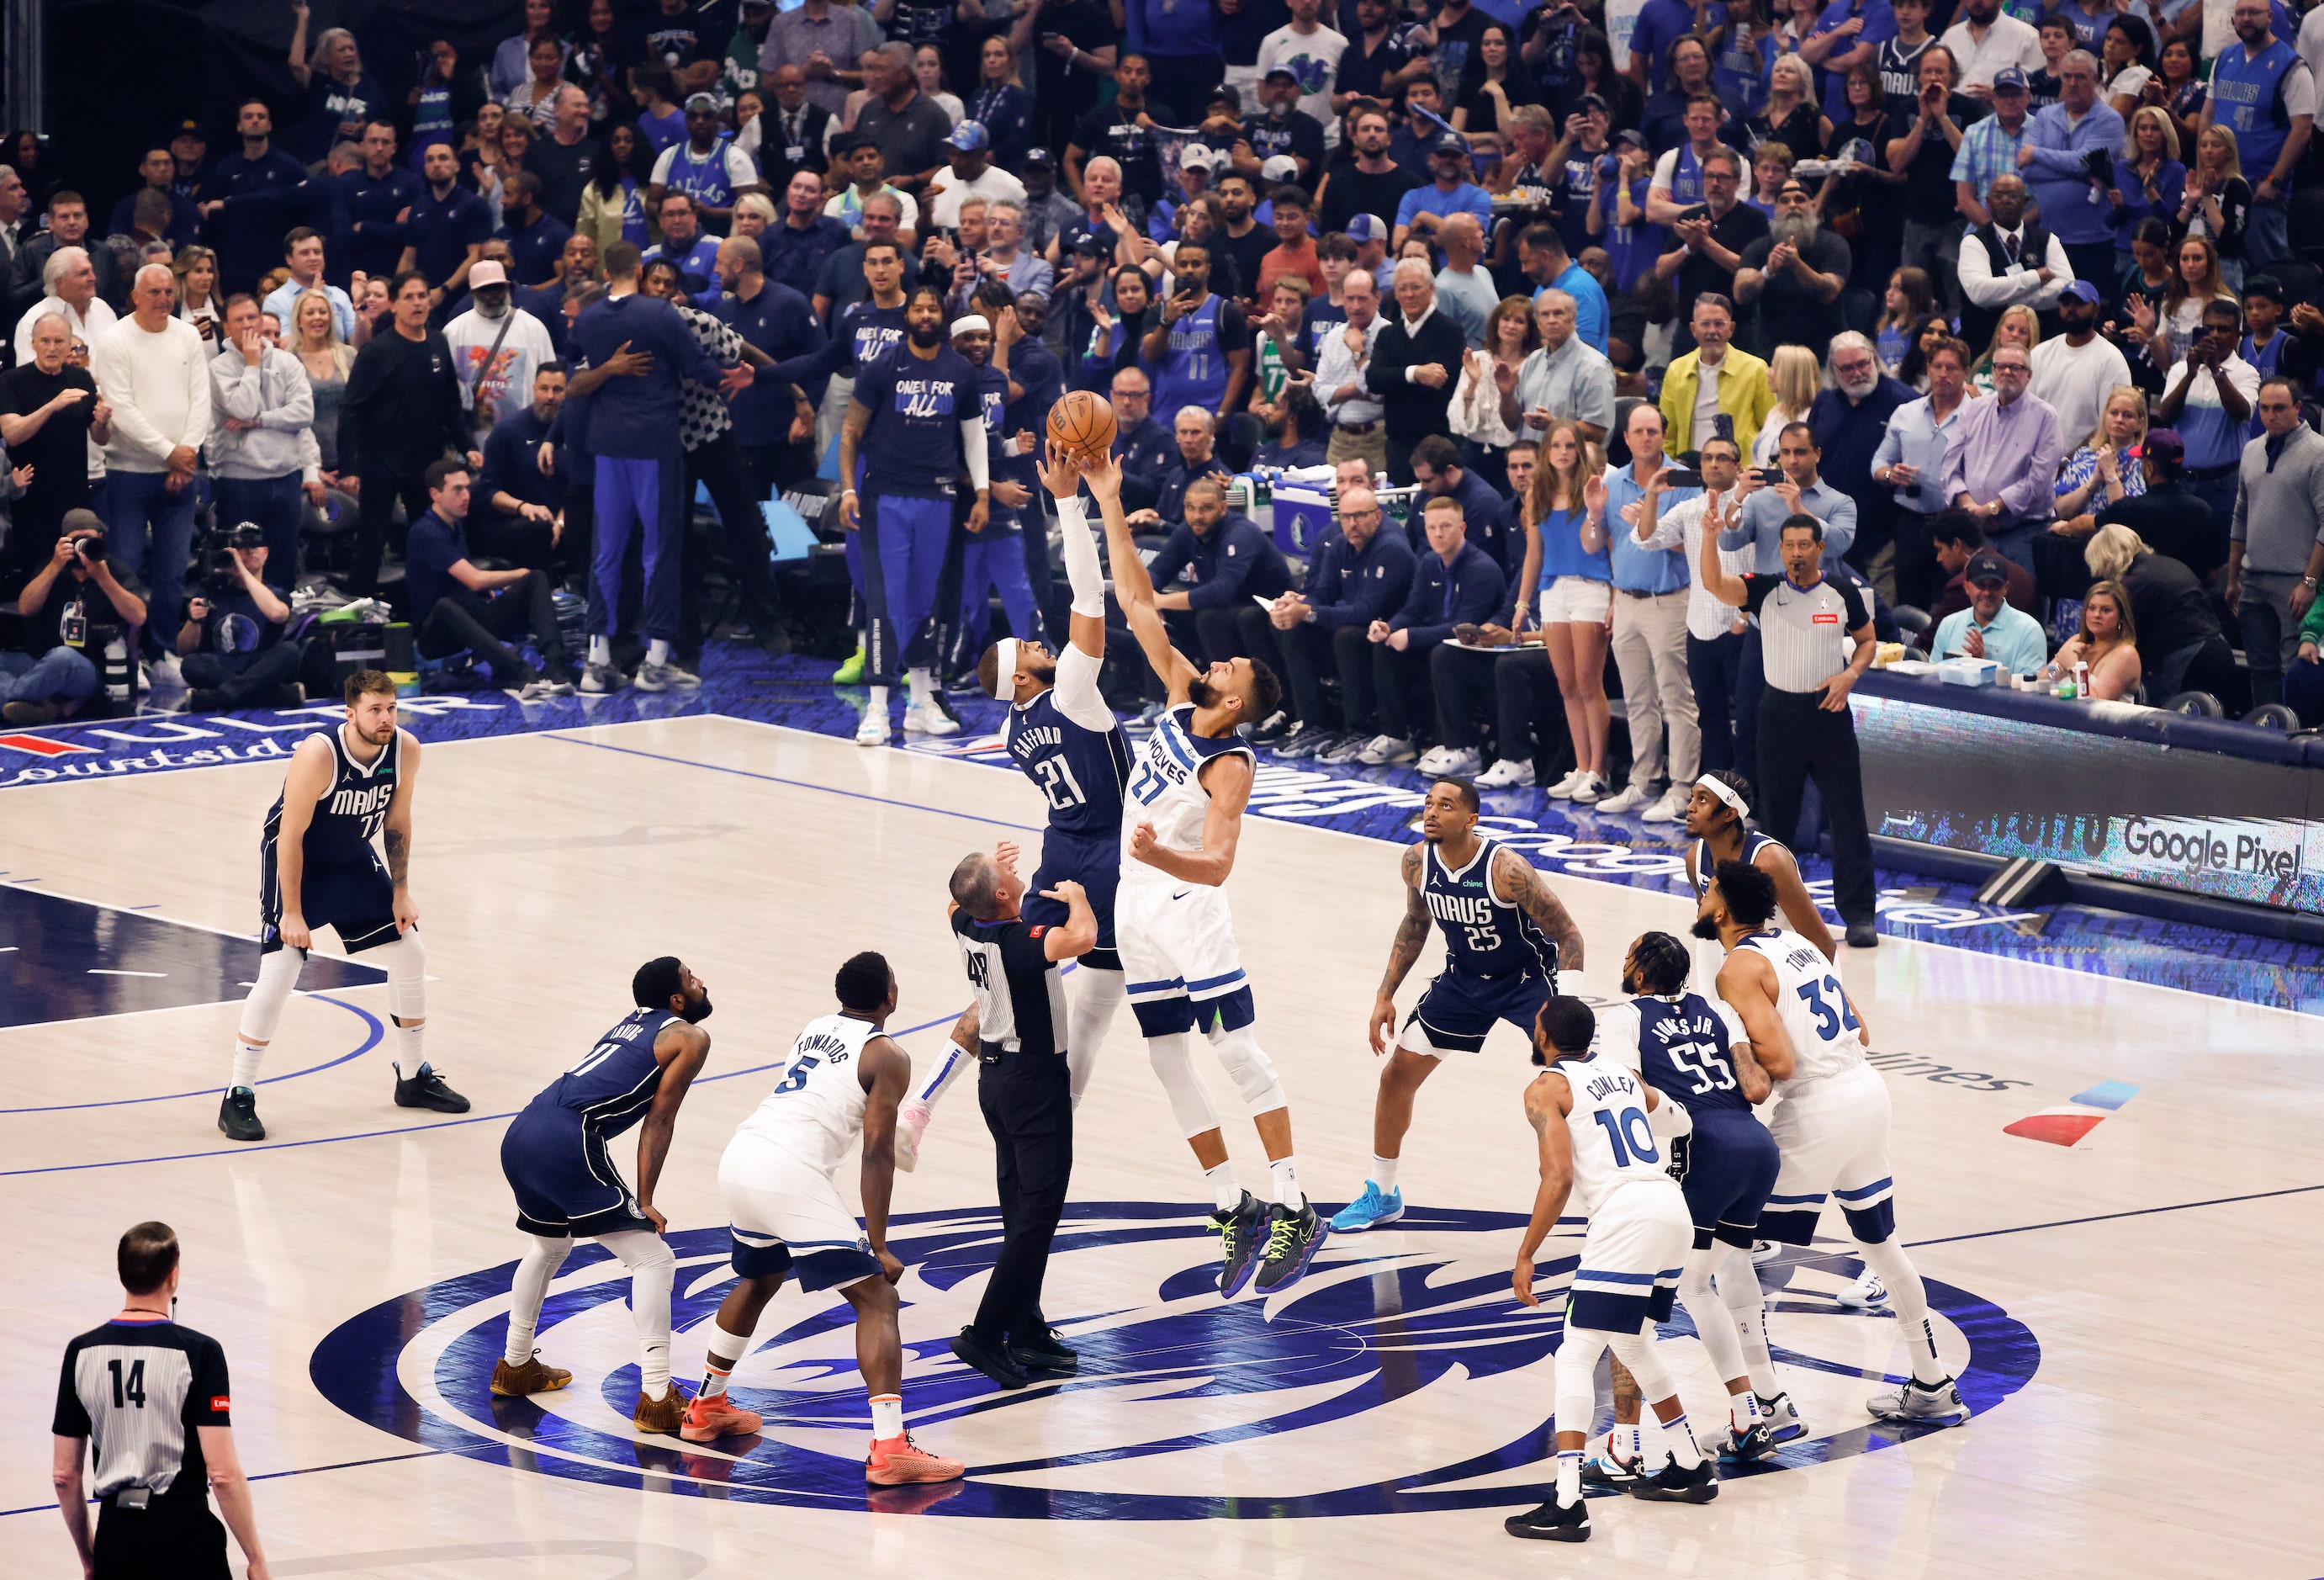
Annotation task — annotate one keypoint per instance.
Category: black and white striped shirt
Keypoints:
(1804, 630)
(137, 1391)
(1021, 997)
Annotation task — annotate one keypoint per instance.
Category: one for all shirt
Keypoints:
(912, 446)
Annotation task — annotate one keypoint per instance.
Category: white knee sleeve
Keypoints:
(1714, 1322)
(1577, 1379)
(1252, 1072)
(653, 1271)
(1190, 1099)
(528, 1290)
(1638, 1352)
(1739, 1292)
(1097, 995)
(406, 963)
(278, 977)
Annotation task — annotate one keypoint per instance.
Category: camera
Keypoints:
(1683, 477)
(90, 549)
(221, 575)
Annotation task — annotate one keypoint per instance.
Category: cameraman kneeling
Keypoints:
(231, 644)
(72, 609)
(456, 604)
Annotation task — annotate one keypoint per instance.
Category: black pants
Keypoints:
(528, 545)
(1302, 655)
(1352, 651)
(776, 466)
(1800, 741)
(720, 468)
(1466, 693)
(375, 517)
(1750, 682)
(1028, 1105)
(469, 620)
(1401, 679)
(175, 1538)
(252, 681)
(1918, 577)
(1712, 665)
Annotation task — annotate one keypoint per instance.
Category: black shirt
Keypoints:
(402, 409)
(2174, 523)
(1115, 131)
(1351, 192)
(1298, 134)
(1788, 314)
(1020, 999)
(1063, 92)
(565, 173)
(79, 614)
(59, 453)
(2168, 604)
(1928, 187)
(1735, 230)
(138, 1391)
(1247, 251)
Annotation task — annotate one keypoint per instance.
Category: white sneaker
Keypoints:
(602, 680)
(929, 720)
(1588, 790)
(1433, 760)
(1764, 1251)
(166, 673)
(1628, 799)
(1863, 1294)
(1461, 764)
(1938, 1402)
(665, 677)
(1670, 807)
(912, 1117)
(1506, 775)
(872, 729)
(1386, 749)
(1564, 788)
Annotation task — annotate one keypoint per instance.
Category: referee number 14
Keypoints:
(131, 1389)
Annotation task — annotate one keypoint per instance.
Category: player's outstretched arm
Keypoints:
(1078, 936)
(1403, 951)
(396, 832)
(1798, 906)
(1515, 882)
(886, 1075)
(1133, 589)
(1747, 984)
(679, 1049)
(1547, 1102)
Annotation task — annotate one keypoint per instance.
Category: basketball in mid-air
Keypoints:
(1082, 422)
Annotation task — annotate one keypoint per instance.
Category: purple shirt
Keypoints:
(2007, 452)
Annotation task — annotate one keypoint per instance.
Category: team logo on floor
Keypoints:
(1399, 1376)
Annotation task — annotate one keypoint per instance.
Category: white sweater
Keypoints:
(159, 387)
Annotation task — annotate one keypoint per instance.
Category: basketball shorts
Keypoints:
(1460, 1008)
(1178, 952)
(785, 1216)
(1731, 1164)
(1630, 1258)
(1093, 861)
(356, 901)
(1833, 1134)
(562, 1174)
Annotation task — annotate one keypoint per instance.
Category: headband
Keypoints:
(1001, 688)
(1725, 792)
(963, 325)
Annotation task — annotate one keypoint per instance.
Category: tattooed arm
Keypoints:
(1411, 937)
(398, 831)
(1515, 882)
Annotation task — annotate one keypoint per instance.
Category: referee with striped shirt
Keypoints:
(151, 1399)
(1816, 639)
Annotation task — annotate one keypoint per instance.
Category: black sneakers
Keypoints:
(994, 1361)
(427, 1090)
(1552, 1521)
(1292, 1239)
(1045, 1353)
(1671, 1484)
(238, 1116)
(1759, 1443)
(1241, 1233)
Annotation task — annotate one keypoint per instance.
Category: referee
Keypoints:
(151, 1398)
(1023, 1088)
(1816, 640)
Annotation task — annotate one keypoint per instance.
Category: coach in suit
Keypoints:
(1412, 367)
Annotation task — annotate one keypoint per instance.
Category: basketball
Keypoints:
(1082, 422)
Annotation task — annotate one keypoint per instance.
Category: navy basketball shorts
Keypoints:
(1731, 1164)
(357, 902)
(1094, 862)
(564, 1178)
(1459, 1009)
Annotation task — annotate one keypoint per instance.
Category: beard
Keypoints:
(1795, 228)
(1629, 984)
(696, 1010)
(1042, 670)
(1705, 927)
(927, 335)
(1202, 693)
(1857, 389)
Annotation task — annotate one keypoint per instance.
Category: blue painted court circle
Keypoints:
(1383, 1317)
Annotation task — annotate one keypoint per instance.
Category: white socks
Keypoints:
(653, 1271)
(726, 1351)
(1283, 1178)
(922, 687)
(526, 1291)
(879, 705)
(1910, 1298)
(1383, 1173)
(1569, 1476)
(1680, 1439)
(657, 651)
(1224, 1189)
(246, 1057)
(887, 1417)
(601, 650)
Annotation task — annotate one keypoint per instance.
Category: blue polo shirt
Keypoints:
(441, 230)
(1636, 567)
(534, 250)
(2015, 640)
(781, 322)
(1592, 320)
(1467, 198)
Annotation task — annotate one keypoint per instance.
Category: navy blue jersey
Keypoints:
(912, 447)
(1484, 935)
(348, 816)
(1683, 1046)
(1754, 842)
(871, 331)
(614, 1083)
(1082, 772)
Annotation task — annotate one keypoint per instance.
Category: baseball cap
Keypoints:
(1631, 135)
(2082, 288)
(1284, 71)
(2164, 445)
(1224, 94)
(189, 128)
(1366, 227)
(1450, 143)
(1985, 568)
(1279, 167)
(701, 101)
(486, 272)
(1588, 102)
(1041, 156)
(969, 136)
(2009, 77)
(1089, 244)
(1197, 156)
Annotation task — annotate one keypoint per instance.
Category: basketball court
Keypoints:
(2124, 1311)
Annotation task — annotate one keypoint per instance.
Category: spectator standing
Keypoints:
(2151, 181)
(1704, 252)
(1000, 104)
(1911, 460)
(774, 421)
(1549, 266)
(707, 167)
(1651, 582)
(909, 127)
(496, 348)
(2209, 398)
(1987, 42)
(1926, 133)
(1455, 584)
(157, 172)
(263, 450)
(566, 159)
(1756, 526)
(341, 99)
(68, 284)
(2008, 260)
(1991, 627)
(153, 371)
(1476, 410)
(401, 413)
(796, 246)
(312, 335)
(1793, 275)
(302, 254)
(2073, 372)
(1566, 568)
(972, 174)
(68, 227)
(1850, 421)
(535, 99)
(153, 1480)
(1345, 354)
(231, 646)
(1566, 380)
(511, 56)
(49, 411)
(536, 238)
(1989, 149)
(1423, 210)
(74, 608)
(2216, 202)
(2002, 463)
(1462, 289)
(1413, 365)
(1714, 380)
(379, 197)
(1714, 630)
(1371, 183)
(2057, 162)
(15, 227)
(2275, 548)
(825, 41)
(1809, 732)
(443, 96)
(448, 227)
(2261, 90)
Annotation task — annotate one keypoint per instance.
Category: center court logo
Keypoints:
(1400, 1377)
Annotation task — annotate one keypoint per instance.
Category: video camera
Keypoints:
(219, 575)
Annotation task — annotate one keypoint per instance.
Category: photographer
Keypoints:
(73, 609)
(231, 645)
(262, 447)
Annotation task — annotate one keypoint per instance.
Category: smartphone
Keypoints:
(1768, 476)
(1684, 479)
(1723, 426)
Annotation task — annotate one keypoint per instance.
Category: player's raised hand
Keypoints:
(1060, 469)
(1383, 1024)
(1143, 843)
(1104, 475)
(1521, 1280)
(1005, 854)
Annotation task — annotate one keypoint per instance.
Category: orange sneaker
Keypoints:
(897, 1460)
(710, 1417)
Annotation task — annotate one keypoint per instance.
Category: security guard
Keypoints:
(151, 1398)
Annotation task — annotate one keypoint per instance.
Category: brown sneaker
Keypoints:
(30, 713)
(666, 1414)
(532, 1377)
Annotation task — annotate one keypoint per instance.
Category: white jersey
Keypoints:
(1827, 1039)
(816, 1111)
(1614, 1144)
(1166, 789)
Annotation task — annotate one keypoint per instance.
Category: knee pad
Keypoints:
(1694, 1273)
(278, 978)
(1252, 1072)
(1577, 1378)
(548, 1253)
(1637, 1352)
(406, 961)
(1190, 1099)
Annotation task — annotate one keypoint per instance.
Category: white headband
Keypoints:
(1725, 792)
(973, 321)
(1001, 690)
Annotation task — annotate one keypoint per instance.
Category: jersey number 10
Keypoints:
(1633, 1127)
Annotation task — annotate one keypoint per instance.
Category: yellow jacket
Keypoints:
(1743, 394)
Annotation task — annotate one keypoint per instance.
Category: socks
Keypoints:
(658, 651)
(726, 1349)
(1224, 1189)
(879, 707)
(526, 1291)
(1569, 1476)
(921, 685)
(1284, 1177)
(887, 1417)
(601, 650)
(1383, 1173)
(1680, 1439)
(1627, 1442)
(408, 1039)
(1910, 1298)
(247, 1055)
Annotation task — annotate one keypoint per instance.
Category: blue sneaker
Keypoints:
(1371, 1210)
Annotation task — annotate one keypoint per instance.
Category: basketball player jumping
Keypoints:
(1191, 782)
(317, 868)
(1831, 1122)
(844, 1079)
(1505, 937)
(556, 1162)
(1600, 1130)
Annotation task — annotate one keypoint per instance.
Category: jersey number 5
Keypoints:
(796, 1076)
(1829, 1021)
